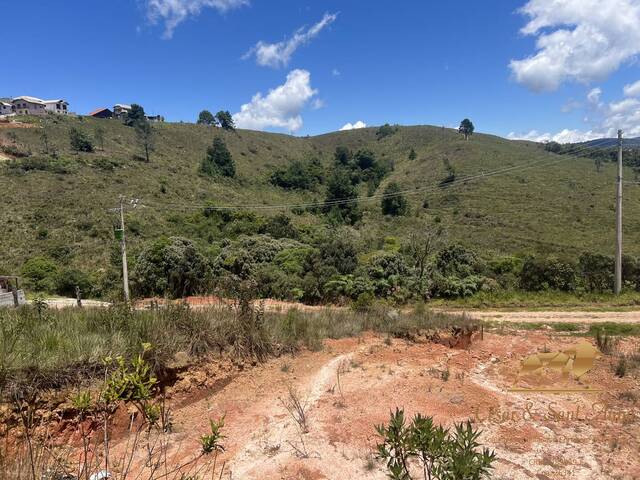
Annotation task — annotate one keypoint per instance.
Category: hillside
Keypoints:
(59, 206)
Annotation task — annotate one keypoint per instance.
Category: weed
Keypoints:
(212, 442)
(296, 408)
(621, 367)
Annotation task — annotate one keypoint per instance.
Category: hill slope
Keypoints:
(556, 204)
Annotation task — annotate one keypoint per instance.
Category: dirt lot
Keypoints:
(354, 383)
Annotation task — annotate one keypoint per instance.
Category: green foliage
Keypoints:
(548, 274)
(385, 130)
(225, 120)
(441, 454)
(412, 154)
(212, 442)
(394, 203)
(456, 260)
(597, 272)
(171, 266)
(342, 156)
(135, 115)
(80, 141)
(41, 274)
(206, 118)
(340, 202)
(450, 173)
(218, 160)
(145, 136)
(280, 226)
(466, 128)
(298, 175)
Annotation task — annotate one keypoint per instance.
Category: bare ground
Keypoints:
(354, 383)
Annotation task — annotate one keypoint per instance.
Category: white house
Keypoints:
(26, 105)
(58, 106)
(6, 108)
(121, 110)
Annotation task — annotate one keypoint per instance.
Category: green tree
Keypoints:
(144, 134)
(218, 160)
(135, 115)
(393, 202)
(225, 119)
(206, 118)
(466, 128)
(385, 131)
(341, 202)
(171, 266)
(342, 156)
(80, 141)
(412, 154)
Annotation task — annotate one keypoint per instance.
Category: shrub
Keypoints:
(385, 130)
(67, 280)
(548, 274)
(80, 141)
(340, 189)
(171, 266)
(280, 226)
(40, 273)
(442, 454)
(298, 175)
(456, 260)
(597, 272)
(394, 203)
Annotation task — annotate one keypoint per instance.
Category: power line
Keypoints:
(432, 187)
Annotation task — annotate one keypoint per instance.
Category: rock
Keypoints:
(456, 399)
(101, 475)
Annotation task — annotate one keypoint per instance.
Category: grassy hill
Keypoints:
(560, 204)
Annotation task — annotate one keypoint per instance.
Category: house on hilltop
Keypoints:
(121, 110)
(101, 113)
(59, 106)
(26, 105)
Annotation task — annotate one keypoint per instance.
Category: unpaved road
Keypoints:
(553, 316)
(550, 316)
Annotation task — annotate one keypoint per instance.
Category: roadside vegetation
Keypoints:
(410, 229)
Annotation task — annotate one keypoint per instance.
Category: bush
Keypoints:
(597, 272)
(340, 189)
(456, 260)
(67, 280)
(385, 130)
(80, 141)
(298, 175)
(548, 274)
(280, 226)
(393, 202)
(41, 274)
(171, 266)
(440, 453)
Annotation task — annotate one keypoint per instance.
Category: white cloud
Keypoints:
(335, 72)
(278, 54)
(354, 126)
(577, 40)
(632, 90)
(318, 103)
(281, 107)
(174, 12)
(606, 119)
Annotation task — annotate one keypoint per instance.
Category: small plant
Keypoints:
(297, 409)
(212, 442)
(606, 343)
(621, 367)
(80, 141)
(440, 454)
(82, 401)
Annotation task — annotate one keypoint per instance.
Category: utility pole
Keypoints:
(123, 248)
(618, 279)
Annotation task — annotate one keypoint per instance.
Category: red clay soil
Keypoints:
(354, 383)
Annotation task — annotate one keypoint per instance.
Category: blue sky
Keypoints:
(407, 62)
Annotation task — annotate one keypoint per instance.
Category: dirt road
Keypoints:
(553, 316)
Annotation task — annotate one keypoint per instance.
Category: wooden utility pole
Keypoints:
(618, 280)
(123, 248)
